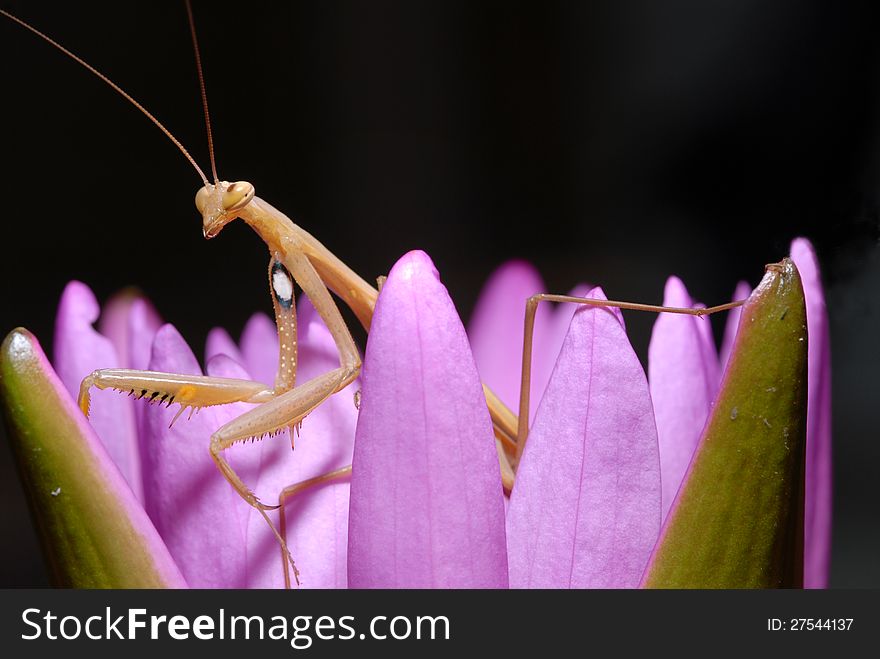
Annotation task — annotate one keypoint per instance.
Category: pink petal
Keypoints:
(817, 503)
(246, 460)
(585, 509)
(496, 332)
(684, 375)
(79, 350)
(426, 498)
(197, 513)
(546, 348)
(133, 321)
(143, 323)
(114, 323)
(130, 321)
(743, 290)
(259, 347)
(317, 519)
(220, 343)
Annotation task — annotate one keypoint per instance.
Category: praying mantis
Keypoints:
(296, 258)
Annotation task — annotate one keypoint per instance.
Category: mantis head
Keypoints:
(220, 203)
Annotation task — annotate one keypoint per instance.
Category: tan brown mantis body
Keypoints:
(296, 257)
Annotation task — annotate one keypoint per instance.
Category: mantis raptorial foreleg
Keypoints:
(188, 391)
(197, 391)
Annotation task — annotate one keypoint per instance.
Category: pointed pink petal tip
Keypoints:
(426, 500)
(684, 375)
(496, 331)
(220, 343)
(126, 316)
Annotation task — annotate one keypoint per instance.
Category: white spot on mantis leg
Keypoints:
(282, 285)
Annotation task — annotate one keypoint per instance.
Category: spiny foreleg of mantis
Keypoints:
(194, 392)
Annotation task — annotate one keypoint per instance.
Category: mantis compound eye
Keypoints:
(202, 198)
(237, 196)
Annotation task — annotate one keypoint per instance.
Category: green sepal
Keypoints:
(93, 530)
(737, 521)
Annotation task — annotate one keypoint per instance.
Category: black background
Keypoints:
(615, 142)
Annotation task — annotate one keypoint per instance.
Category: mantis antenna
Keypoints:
(119, 90)
(195, 40)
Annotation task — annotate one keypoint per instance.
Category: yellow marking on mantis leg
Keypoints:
(187, 393)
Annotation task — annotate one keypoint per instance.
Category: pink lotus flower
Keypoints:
(607, 452)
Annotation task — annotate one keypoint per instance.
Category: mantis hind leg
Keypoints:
(528, 338)
(292, 490)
